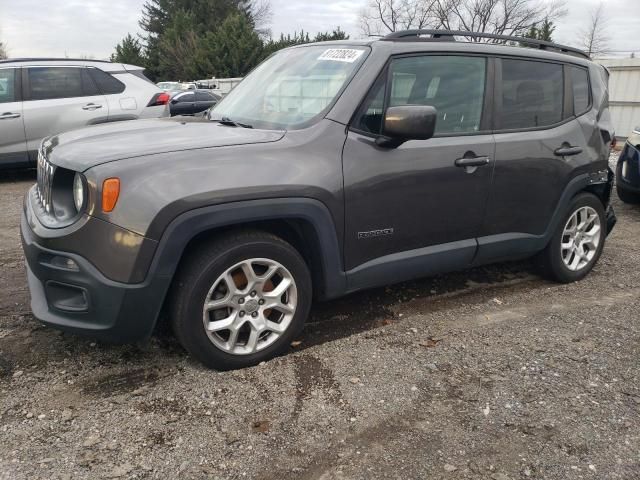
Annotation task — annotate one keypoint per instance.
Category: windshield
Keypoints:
(291, 88)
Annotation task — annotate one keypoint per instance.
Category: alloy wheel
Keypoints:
(250, 306)
(580, 238)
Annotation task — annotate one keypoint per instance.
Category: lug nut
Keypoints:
(254, 314)
(261, 301)
(253, 294)
(241, 301)
(242, 313)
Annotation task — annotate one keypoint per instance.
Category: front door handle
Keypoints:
(91, 106)
(567, 150)
(472, 162)
(7, 115)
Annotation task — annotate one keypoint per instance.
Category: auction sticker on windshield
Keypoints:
(348, 55)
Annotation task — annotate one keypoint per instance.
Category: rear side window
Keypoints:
(532, 94)
(185, 97)
(204, 97)
(55, 82)
(107, 84)
(7, 85)
(454, 85)
(581, 95)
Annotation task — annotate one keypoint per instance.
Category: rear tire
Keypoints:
(577, 243)
(627, 196)
(240, 300)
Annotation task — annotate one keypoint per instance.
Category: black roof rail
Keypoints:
(448, 36)
(51, 59)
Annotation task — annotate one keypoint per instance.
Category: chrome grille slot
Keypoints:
(45, 174)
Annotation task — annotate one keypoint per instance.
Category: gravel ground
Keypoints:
(492, 373)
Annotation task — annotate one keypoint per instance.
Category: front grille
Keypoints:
(46, 171)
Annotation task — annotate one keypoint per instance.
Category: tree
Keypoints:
(3, 51)
(232, 50)
(129, 50)
(502, 17)
(594, 38)
(544, 32)
(272, 46)
(380, 17)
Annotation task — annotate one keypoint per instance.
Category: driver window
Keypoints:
(454, 85)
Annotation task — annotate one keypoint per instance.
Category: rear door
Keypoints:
(13, 149)
(183, 103)
(122, 106)
(58, 99)
(415, 198)
(540, 146)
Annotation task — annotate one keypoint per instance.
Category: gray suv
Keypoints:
(331, 168)
(44, 97)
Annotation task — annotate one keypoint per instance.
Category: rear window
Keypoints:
(581, 95)
(107, 84)
(532, 94)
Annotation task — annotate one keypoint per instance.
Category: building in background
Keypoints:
(624, 93)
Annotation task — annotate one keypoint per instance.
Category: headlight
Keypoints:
(78, 191)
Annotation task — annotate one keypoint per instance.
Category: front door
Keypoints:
(13, 150)
(418, 205)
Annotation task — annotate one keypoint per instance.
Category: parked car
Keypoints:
(628, 169)
(169, 86)
(43, 97)
(191, 102)
(331, 168)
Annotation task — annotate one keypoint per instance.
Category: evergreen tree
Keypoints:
(129, 50)
(544, 32)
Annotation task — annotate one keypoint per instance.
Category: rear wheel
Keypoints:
(241, 300)
(578, 241)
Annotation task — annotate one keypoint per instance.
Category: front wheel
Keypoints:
(240, 300)
(578, 241)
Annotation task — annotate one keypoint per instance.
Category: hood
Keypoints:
(82, 149)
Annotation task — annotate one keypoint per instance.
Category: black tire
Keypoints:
(550, 259)
(198, 272)
(627, 196)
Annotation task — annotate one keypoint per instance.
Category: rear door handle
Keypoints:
(567, 150)
(91, 106)
(472, 162)
(7, 115)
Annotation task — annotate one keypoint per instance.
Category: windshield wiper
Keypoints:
(232, 123)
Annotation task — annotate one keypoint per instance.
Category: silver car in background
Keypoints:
(43, 97)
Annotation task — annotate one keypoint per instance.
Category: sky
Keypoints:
(91, 28)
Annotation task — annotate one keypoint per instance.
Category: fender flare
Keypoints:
(182, 229)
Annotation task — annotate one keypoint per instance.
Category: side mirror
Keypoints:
(407, 122)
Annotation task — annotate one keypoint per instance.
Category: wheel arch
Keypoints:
(305, 223)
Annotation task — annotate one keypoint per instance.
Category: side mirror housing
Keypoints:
(407, 122)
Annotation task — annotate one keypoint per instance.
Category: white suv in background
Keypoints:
(43, 97)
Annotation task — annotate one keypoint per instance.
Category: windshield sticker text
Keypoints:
(348, 55)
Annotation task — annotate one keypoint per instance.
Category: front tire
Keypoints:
(240, 300)
(578, 241)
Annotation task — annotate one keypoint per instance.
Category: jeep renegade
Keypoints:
(331, 168)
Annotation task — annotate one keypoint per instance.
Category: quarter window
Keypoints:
(532, 94)
(581, 97)
(107, 84)
(7, 85)
(454, 85)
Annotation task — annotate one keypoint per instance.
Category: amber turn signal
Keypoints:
(110, 192)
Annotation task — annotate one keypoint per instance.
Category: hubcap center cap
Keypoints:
(251, 305)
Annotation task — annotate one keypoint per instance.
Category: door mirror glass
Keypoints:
(407, 122)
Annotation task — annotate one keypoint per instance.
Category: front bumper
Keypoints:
(80, 299)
